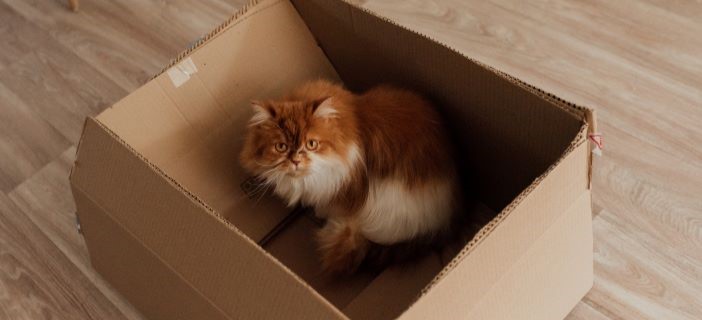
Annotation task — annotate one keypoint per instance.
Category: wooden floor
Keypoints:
(638, 62)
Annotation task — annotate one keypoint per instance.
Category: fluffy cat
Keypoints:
(377, 166)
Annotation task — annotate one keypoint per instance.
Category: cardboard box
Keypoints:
(157, 181)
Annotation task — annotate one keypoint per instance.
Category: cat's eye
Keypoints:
(281, 147)
(312, 144)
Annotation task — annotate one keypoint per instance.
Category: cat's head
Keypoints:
(312, 140)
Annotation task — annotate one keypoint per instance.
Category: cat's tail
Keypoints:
(342, 247)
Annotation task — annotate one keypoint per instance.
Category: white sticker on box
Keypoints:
(181, 72)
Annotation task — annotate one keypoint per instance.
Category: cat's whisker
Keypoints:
(267, 186)
(264, 184)
(258, 189)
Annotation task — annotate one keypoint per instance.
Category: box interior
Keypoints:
(506, 136)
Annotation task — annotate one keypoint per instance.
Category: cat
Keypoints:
(376, 166)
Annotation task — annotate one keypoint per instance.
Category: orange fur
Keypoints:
(342, 246)
(384, 145)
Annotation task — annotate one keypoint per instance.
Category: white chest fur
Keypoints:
(395, 213)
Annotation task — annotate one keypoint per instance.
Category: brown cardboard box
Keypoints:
(157, 182)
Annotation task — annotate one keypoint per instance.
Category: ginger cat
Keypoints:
(377, 166)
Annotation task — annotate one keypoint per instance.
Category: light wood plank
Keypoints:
(46, 199)
(640, 278)
(584, 311)
(55, 82)
(17, 36)
(134, 40)
(27, 142)
(36, 279)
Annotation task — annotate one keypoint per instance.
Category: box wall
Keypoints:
(140, 276)
(551, 278)
(479, 270)
(204, 250)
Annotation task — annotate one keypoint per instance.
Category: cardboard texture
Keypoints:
(206, 251)
(153, 287)
(158, 190)
(509, 243)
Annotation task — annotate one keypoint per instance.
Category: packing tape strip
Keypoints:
(597, 141)
(181, 72)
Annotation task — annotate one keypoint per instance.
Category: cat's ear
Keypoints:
(326, 109)
(261, 113)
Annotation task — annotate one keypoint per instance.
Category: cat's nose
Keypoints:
(295, 162)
